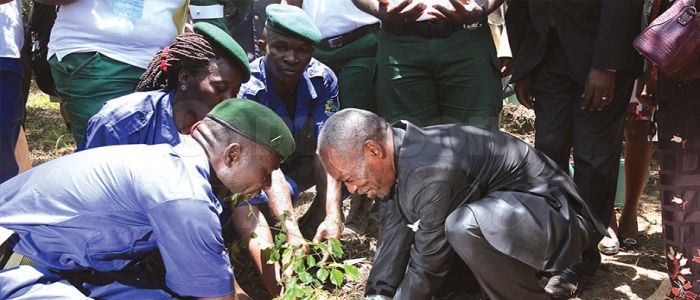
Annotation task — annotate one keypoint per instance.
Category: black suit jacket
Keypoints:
(593, 33)
(441, 168)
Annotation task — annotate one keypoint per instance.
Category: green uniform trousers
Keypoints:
(85, 81)
(354, 64)
(439, 80)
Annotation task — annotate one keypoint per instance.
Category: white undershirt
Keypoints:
(336, 17)
(129, 31)
(11, 29)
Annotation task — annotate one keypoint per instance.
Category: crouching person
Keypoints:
(457, 191)
(137, 221)
(304, 93)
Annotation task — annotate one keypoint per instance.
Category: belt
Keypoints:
(348, 37)
(429, 29)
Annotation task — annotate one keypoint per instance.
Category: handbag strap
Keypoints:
(655, 12)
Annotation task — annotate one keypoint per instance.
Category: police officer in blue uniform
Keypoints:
(178, 88)
(137, 221)
(161, 115)
(304, 92)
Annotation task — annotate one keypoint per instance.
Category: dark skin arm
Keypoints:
(599, 90)
(387, 12)
(523, 91)
(468, 12)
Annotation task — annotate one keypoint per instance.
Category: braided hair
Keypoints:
(189, 51)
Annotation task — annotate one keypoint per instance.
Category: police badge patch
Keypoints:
(331, 106)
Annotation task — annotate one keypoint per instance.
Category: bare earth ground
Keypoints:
(635, 274)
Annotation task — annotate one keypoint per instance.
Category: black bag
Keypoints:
(41, 20)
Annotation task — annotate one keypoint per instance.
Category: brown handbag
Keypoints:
(672, 41)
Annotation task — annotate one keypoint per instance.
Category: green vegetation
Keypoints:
(47, 135)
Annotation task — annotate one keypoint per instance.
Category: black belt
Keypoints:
(429, 29)
(348, 37)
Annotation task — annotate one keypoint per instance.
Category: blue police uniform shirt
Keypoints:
(317, 95)
(84, 211)
(137, 118)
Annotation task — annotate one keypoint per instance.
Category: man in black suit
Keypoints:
(457, 192)
(575, 65)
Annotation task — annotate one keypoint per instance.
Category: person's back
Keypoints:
(488, 160)
(89, 204)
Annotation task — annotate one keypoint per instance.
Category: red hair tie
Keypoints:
(163, 55)
(194, 126)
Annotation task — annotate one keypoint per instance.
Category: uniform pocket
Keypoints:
(111, 251)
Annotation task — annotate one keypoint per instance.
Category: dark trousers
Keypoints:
(11, 114)
(500, 276)
(595, 136)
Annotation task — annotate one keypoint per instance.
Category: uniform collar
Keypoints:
(398, 130)
(259, 71)
(191, 151)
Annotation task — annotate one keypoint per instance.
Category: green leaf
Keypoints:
(352, 272)
(267, 252)
(337, 247)
(336, 277)
(286, 257)
(305, 277)
(280, 239)
(298, 266)
(310, 261)
(322, 274)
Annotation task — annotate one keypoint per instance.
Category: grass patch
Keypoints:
(47, 135)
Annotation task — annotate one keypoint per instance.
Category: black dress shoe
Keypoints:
(566, 284)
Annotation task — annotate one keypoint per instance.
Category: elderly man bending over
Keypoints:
(501, 206)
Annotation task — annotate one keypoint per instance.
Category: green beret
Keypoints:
(292, 21)
(226, 42)
(256, 122)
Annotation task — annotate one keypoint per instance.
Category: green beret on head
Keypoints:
(292, 21)
(256, 122)
(224, 41)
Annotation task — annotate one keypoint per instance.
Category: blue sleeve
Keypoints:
(327, 102)
(189, 238)
(99, 133)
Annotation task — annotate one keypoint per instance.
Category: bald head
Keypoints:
(346, 131)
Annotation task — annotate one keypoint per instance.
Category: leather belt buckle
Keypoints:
(335, 42)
